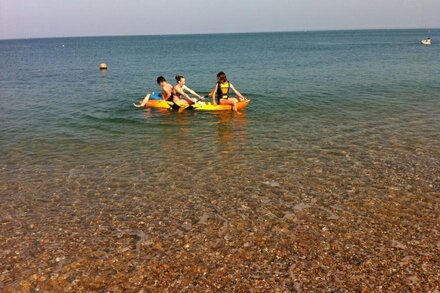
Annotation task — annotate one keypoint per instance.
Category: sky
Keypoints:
(65, 18)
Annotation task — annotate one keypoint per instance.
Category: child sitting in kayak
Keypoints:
(167, 93)
(179, 92)
(220, 94)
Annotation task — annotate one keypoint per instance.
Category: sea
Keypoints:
(338, 151)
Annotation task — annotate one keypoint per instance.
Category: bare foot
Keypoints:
(182, 108)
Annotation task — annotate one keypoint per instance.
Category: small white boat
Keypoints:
(426, 41)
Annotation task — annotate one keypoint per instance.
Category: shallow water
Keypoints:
(329, 180)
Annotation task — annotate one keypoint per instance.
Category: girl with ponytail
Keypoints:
(180, 89)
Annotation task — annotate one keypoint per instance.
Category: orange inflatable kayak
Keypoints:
(161, 104)
(207, 106)
(204, 106)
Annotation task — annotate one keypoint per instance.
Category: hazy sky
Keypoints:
(57, 18)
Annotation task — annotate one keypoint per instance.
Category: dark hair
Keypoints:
(222, 76)
(161, 79)
(179, 77)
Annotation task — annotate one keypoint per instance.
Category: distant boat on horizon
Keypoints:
(426, 41)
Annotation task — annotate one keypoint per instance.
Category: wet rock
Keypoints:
(272, 183)
(180, 233)
(289, 216)
(414, 280)
(301, 206)
(203, 219)
(187, 226)
(332, 216)
(397, 244)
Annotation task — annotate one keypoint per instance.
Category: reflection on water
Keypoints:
(231, 131)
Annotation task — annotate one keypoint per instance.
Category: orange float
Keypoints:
(204, 106)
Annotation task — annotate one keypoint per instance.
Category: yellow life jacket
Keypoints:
(223, 90)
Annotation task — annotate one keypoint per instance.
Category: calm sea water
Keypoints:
(309, 90)
(331, 113)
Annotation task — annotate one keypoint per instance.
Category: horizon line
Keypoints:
(215, 33)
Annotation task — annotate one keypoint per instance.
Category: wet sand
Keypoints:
(343, 222)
